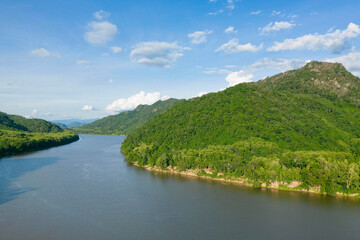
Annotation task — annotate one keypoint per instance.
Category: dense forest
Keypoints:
(300, 126)
(18, 134)
(125, 123)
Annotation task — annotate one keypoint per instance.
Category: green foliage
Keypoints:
(302, 125)
(126, 122)
(18, 134)
(12, 142)
(15, 123)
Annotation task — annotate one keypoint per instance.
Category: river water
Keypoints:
(86, 190)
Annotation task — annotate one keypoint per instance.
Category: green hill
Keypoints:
(18, 134)
(126, 122)
(300, 126)
(16, 122)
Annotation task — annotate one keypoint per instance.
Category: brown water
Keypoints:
(85, 190)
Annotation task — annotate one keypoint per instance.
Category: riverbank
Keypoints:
(294, 186)
(15, 142)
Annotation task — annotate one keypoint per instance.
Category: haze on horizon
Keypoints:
(89, 59)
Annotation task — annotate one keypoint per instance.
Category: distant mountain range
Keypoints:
(126, 122)
(73, 122)
(296, 130)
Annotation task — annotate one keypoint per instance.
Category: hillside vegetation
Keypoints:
(126, 122)
(18, 134)
(300, 126)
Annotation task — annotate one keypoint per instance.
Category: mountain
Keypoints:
(18, 134)
(73, 122)
(298, 129)
(16, 122)
(127, 122)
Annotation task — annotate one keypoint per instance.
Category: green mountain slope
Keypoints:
(18, 134)
(126, 122)
(15, 122)
(298, 126)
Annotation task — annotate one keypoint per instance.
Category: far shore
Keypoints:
(244, 182)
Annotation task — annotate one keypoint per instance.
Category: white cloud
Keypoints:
(32, 114)
(100, 32)
(216, 13)
(82, 62)
(336, 41)
(255, 12)
(132, 102)
(115, 49)
(233, 46)
(239, 77)
(42, 52)
(279, 64)
(156, 54)
(199, 36)
(230, 29)
(276, 26)
(201, 94)
(111, 80)
(217, 71)
(87, 108)
(350, 61)
(230, 4)
(100, 15)
(247, 73)
(212, 1)
(274, 13)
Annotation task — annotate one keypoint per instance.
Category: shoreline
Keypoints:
(244, 182)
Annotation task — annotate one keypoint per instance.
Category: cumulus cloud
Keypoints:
(233, 46)
(82, 62)
(132, 102)
(239, 77)
(199, 36)
(276, 26)
(42, 52)
(336, 41)
(100, 32)
(156, 54)
(87, 108)
(255, 12)
(230, 29)
(350, 61)
(115, 49)
(100, 15)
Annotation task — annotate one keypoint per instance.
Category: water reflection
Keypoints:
(12, 169)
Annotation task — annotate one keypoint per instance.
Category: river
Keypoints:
(86, 190)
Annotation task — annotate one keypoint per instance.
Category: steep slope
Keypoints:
(295, 126)
(126, 122)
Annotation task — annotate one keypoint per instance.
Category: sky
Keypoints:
(89, 59)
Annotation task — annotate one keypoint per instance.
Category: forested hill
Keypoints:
(18, 134)
(16, 123)
(126, 122)
(301, 125)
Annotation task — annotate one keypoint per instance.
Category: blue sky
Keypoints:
(89, 59)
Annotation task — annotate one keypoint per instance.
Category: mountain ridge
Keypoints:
(289, 114)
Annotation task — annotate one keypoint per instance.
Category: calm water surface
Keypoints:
(85, 190)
